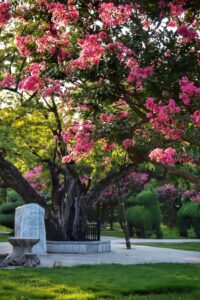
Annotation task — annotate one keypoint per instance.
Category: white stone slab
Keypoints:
(84, 247)
(29, 222)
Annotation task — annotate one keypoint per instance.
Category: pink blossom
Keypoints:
(83, 178)
(84, 107)
(107, 117)
(4, 13)
(196, 118)
(31, 84)
(112, 15)
(67, 159)
(22, 43)
(106, 161)
(196, 198)
(7, 81)
(60, 15)
(52, 88)
(165, 157)
(34, 178)
(188, 90)
(137, 74)
(186, 32)
(79, 138)
(127, 143)
(176, 9)
(172, 23)
(109, 147)
(123, 114)
(91, 53)
(162, 118)
(35, 69)
(56, 138)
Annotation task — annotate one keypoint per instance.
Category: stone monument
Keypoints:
(29, 222)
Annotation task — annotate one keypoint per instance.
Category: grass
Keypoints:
(3, 228)
(4, 237)
(179, 246)
(110, 282)
(167, 233)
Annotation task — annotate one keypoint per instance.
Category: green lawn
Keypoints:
(144, 282)
(4, 237)
(180, 246)
(167, 233)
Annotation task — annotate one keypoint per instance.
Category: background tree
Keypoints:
(118, 77)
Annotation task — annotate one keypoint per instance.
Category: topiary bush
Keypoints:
(189, 217)
(7, 210)
(144, 218)
(168, 196)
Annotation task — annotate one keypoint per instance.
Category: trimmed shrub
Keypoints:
(189, 217)
(168, 197)
(144, 218)
(7, 210)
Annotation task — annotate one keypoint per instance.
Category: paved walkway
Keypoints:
(119, 255)
(146, 241)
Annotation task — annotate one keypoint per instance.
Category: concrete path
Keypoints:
(119, 255)
(146, 241)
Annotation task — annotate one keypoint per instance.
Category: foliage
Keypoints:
(7, 210)
(168, 197)
(189, 216)
(90, 89)
(136, 282)
(145, 217)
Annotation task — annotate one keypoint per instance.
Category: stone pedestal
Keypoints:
(22, 252)
(29, 222)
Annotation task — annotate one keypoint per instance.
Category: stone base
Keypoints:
(79, 247)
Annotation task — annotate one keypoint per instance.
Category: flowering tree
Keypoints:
(117, 79)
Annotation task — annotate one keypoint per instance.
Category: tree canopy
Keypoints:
(94, 89)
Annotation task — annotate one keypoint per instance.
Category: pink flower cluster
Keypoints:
(137, 74)
(122, 51)
(22, 43)
(123, 114)
(92, 51)
(188, 90)
(54, 45)
(7, 81)
(34, 178)
(31, 84)
(112, 15)
(52, 88)
(196, 198)
(78, 140)
(176, 9)
(107, 118)
(196, 118)
(109, 147)
(4, 13)
(83, 178)
(130, 182)
(42, 2)
(165, 157)
(162, 118)
(187, 33)
(35, 69)
(60, 16)
(139, 178)
(127, 143)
